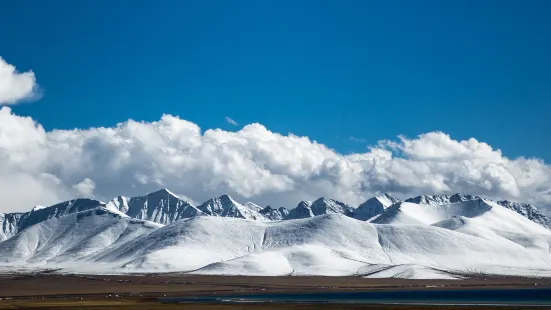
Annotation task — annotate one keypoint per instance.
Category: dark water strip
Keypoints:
(524, 297)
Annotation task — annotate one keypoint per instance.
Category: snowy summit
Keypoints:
(447, 237)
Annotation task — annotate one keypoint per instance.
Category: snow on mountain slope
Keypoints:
(306, 209)
(460, 253)
(406, 272)
(486, 212)
(189, 244)
(330, 206)
(528, 211)
(274, 214)
(9, 224)
(67, 239)
(57, 210)
(161, 207)
(531, 241)
(38, 207)
(374, 206)
(253, 264)
(214, 243)
(324, 245)
(252, 206)
(441, 199)
(119, 203)
(429, 214)
(396, 215)
(12, 223)
(443, 237)
(225, 206)
(99, 240)
(301, 211)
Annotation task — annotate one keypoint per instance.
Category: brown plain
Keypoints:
(56, 291)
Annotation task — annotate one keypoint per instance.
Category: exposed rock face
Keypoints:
(374, 206)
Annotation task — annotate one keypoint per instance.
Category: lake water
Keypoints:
(530, 296)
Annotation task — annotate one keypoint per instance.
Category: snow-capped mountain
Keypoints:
(331, 206)
(252, 206)
(100, 240)
(225, 206)
(481, 211)
(11, 223)
(161, 207)
(274, 214)
(301, 211)
(528, 211)
(73, 237)
(374, 207)
(440, 199)
(422, 237)
(320, 206)
(41, 214)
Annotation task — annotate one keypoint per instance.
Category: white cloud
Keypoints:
(85, 188)
(16, 86)
(132, 158)
(357, 140)
(231, 121)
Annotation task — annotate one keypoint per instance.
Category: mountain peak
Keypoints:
(429, 237)
(325, 200)
(38, 215)
(321, 200)
(163, 191)
(458, 197)
(374, 206)
(274, 214)
(252, 206)
(302, 210)
(226, 198)
(441, 199)
(528, 211)
(226, 206)
(162, 206)
(330, 206)
(37, 207)
(386, 199)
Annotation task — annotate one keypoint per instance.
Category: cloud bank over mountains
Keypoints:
(44, 167)
(16, 86)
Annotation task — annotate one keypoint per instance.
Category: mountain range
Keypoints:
(421, 237)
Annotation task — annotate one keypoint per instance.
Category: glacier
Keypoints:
(445, 237)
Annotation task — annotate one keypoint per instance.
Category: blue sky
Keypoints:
(326, 69)
(347, 74)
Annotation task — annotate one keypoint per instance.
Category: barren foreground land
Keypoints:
(48, 290)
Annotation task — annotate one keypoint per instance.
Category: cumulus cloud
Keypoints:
(85, 188)
(252, 164)
(16, 86)
(231, 121)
